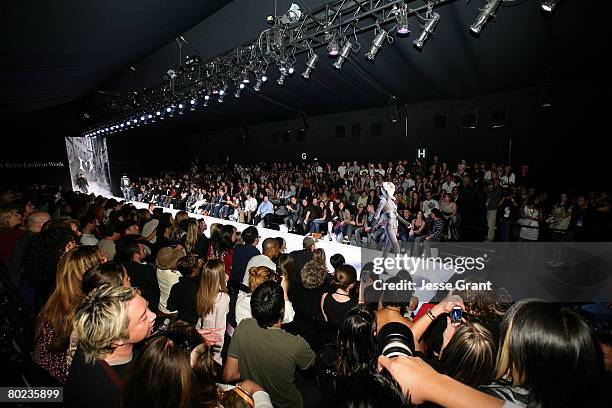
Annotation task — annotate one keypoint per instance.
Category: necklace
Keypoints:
(342, 294)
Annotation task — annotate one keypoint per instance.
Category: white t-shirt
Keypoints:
(166, 278)
(250, 204)
(243, 309)
(342, 171)
(257, 260)
(429, 205)
(448, 187)
(88, 239)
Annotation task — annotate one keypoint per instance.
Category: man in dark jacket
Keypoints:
(131, 254)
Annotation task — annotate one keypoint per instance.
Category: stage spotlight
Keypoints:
(401, 14)
(245, 76)
(142, 118)
(346, 50)
(239, 90)
(158, 113)
(428, 29)
(378, 42)
(150, 116)
(310, 65)
(258, 84)
(486, 13)
(122, 125)
(290, 70)
(180, 106)
(284, 71)
(168, 109)
(205, 103)
(223, 90)
(549, 5)
(333, 47)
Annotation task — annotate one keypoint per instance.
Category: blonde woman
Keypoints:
(212, 300)
(56, 318)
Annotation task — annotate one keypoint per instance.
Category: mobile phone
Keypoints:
(455, 315)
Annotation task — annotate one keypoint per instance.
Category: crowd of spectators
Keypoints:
(140, 308)
(477, 201)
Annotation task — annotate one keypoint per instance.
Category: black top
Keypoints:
(308, 321)
(201, 246)
(183, 299)
(299, 259)
(242, 256)
(335, 312)
(144, 277)
(92, 385)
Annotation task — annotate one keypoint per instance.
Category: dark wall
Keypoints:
(548, 139)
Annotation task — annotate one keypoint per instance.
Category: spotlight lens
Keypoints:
(150, 116)
(142, 118)
(192, 101)
(241, 86)
(168, 109)
(180, 106)
(264, 78)
(291, 70)
(158, 113)
(206, 97)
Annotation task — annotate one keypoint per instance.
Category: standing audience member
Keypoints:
(212, 300)
(261, 351)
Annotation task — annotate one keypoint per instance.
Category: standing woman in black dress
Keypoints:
(336, 304)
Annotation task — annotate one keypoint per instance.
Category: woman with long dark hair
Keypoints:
(547, 357)
(175, 369)
(222, 248)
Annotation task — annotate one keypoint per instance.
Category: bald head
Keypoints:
(36, 220)
(270, 248)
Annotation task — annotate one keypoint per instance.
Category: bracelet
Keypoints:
(431, 315)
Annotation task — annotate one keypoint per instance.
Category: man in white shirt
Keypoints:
(342, 170)
(449, 184)
(271, 251)
(167, 275)
(88, 225)
(429, 204)
(250, 206)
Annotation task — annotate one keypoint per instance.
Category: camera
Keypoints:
(455, 314)
(395, 339)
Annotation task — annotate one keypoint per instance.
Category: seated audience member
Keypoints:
(540, 345)
(41, 258)
(175, 369)
(335, 305)
(395, 303)
(261, 351)
(306, 300)
(111, 234)
(335, 261)
(357, 345)
(33, 223)
(212, 300)
(271, 251)
(468, 353)
(265, 212)
(167, 275)
(109, 321)
(372, 390)
(223, 247)
(108, 273)
(434, 235)
(183, 294)
(88, 227)
(300, 257)
(131, 253)
(285, 266)
(244, 252)
(10, 233)
(257, 276)
(56, 318)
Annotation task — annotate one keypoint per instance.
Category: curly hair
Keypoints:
(42, 256)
